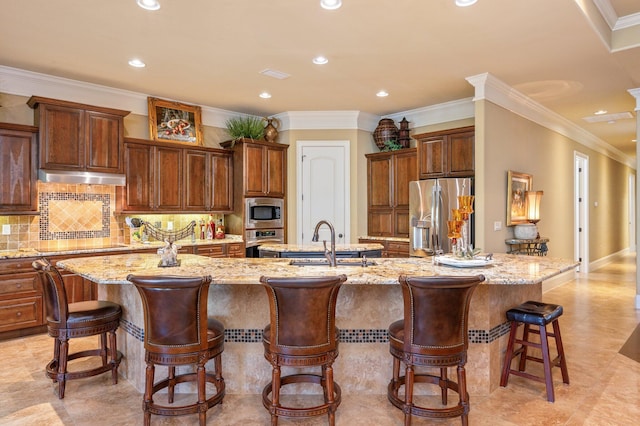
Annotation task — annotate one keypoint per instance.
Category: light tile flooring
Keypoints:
(599, 316)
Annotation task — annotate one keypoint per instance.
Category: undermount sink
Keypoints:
(339, 262)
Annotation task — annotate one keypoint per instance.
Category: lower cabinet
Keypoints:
(392, 248)
(221, 250)
(320, 254)
(21, 302)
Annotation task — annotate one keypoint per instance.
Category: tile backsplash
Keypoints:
(78, 216)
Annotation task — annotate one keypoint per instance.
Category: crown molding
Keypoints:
(636, 94)
(439, 113)
(317, 120)
(492, 89)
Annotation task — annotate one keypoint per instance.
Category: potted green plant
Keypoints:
(245, 127)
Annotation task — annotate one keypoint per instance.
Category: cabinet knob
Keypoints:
(18, 285)
(340, 235)
(18, 314)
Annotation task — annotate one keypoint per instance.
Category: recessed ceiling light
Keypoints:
(320, 60)
(330, 4)
(465, 3)
(600, 112)
(148, 4)
(382, 94)
(633, 140)
(137, 63)
(265, 95)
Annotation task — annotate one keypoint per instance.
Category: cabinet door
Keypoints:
(461, 146)
(276, 172)
(62, 136)
(168, 178)
(197, 180)
(380, 223)
(104, 133)
(254, 175)
(404, 171)
(18, 173)
(138, 168)
(380, 183)
(401, 223)
(433, 154)
(221, 183)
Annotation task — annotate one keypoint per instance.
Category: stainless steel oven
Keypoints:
(264, 213)
(254, 237)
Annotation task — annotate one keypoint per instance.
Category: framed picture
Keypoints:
(517, 185)
(174, 122)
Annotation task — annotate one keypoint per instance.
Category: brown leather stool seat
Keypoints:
(178, 332)
(302, 333)
(81, 319)
(433, 333)
(538, 314)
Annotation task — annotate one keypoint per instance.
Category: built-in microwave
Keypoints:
(264, 213)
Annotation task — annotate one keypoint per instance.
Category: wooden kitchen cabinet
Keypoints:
(389, 174)
(221, 250)
(392, 248)
(447, 153)
(18, 175)
(173, 177)
(21, 304)
(208, 180)
(78, 137)
(261, 166)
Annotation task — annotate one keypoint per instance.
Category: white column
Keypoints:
(636, 94)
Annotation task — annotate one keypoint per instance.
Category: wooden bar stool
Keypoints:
(538, 314)
(302, 333)
(433, 334)
(66, 321)
(178, 332)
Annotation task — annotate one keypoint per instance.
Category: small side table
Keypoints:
(537, 246)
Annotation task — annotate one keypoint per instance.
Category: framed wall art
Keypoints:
(517, 185)
(171, 121)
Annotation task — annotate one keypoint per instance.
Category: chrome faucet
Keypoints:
(330, 255)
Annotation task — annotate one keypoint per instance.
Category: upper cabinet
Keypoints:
(389, 174)
(174, 177)
(78, 137)
(18, 150)
(448, 153)
(261, 166)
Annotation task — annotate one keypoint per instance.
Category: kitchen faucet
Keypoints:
(330, 255)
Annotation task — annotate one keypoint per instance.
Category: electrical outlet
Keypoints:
(169, 226)
(497, 226)
(6, 229)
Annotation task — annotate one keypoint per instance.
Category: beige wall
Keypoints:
(505, 141)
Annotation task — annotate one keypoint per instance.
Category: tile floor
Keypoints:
(599, 317)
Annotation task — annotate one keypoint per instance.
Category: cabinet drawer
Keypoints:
(12, 266)
(20, 313)
(212, 251)
(19, 284)
(235, 250)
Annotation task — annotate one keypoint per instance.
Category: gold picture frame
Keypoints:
(171, 121)
(517, 184)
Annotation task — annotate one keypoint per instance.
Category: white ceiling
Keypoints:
(572, 56)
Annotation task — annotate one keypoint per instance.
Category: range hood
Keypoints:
(89, 178)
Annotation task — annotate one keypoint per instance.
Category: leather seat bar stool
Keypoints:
(538, 314)
(432, 334)
(66, 321)
(301, 333)
(178, 332)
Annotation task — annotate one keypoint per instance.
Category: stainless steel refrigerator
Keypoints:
(430, 205)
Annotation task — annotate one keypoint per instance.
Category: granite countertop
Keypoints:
(505, 269)
(32, 252)
(282, 248)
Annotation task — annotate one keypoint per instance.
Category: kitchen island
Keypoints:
(368, 302)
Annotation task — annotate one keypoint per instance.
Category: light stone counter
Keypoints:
(310, 248)
(368, 302)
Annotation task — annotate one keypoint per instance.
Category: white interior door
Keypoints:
(581, 193)
(323, 189)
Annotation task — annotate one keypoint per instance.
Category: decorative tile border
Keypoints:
(358, 335)
(45, 220)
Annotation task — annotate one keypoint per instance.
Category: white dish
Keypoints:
(462, 263)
